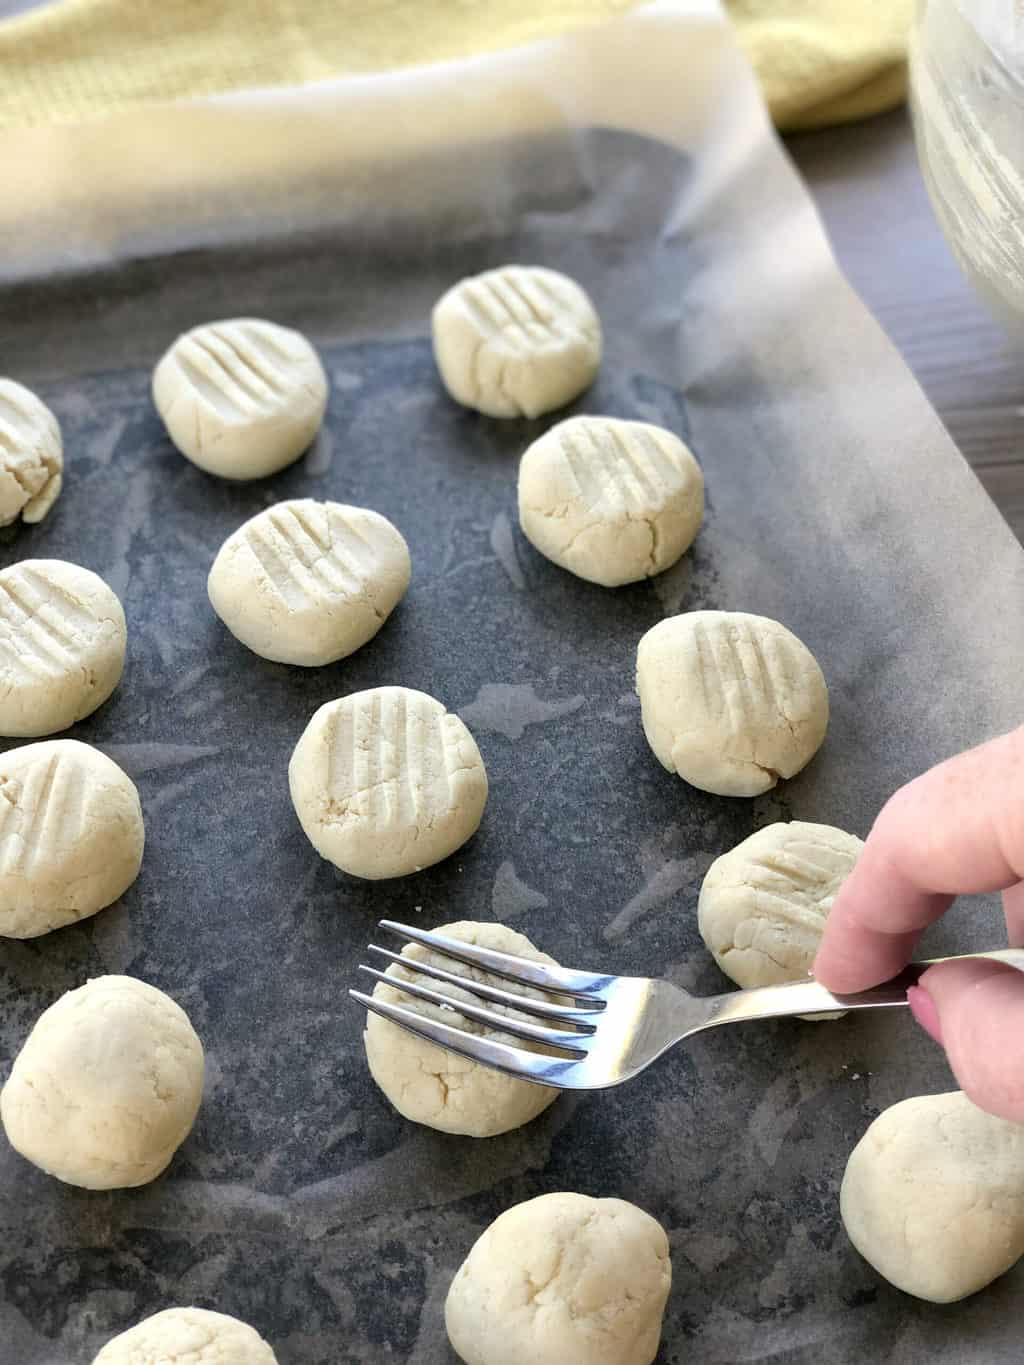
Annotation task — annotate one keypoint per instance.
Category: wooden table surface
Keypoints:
(868, 188)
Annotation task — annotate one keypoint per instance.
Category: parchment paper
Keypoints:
(638, 159)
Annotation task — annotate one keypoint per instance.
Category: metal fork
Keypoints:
(601, 1030)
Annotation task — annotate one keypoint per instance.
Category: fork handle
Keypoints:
(808, 997)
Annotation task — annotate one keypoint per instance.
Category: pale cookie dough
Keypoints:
(31, 455)
(107, 1085)
(387, 782)
(430, 1085)
(187, 1336)
(307, 582)
(62, 646)
(516, 342)
(611, 501)
(562, 1280)
(71, 835)
(763, 905)
(241, 398)
(933, 1196)
(730, 702)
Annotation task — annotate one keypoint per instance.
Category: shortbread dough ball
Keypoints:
(611, 501)
(430, 1085)
(763, 905)
(187, 1336)
(241, 398)
(31, 455)
(730, 702)
(516, 342)
(107, 1085)
(933, 1196)
(387, 782)
(307, 582)
(559, 1279)
(62, 646)
(71, 835)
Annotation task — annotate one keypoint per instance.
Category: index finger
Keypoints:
(956, 830)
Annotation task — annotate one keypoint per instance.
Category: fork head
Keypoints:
(574, 1031)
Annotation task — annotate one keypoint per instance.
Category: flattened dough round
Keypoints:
(71, 835)
(62, 646)
(387, 782)
(730, 702)
(107, 1085)
(611, 501)
(241, 398)
(763, 905)
(307, 582)
(187, 1336)
(562, 1278)
(432, 1086)
(31, 455)
(933, 1196)
(518, 341)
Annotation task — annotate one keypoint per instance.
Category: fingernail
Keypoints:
(922, 1007)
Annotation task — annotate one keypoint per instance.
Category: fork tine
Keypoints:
(561, 980)
(534, 1033)
(528, 1066)
(544, 1009)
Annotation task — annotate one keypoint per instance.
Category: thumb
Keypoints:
(980, 1009)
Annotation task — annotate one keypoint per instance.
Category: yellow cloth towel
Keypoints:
(820, 61)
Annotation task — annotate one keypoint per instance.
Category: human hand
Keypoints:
(956, 830)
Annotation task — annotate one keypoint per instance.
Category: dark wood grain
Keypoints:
(869, 191)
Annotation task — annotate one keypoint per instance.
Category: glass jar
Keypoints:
(967, 101)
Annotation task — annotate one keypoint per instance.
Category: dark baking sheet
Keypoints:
(301, 1202)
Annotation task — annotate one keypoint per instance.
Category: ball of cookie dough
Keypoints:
(562, 1278)
(387, 782)
(933, 1196)
(763, 905)
(307, 582)
(611, 501)
(187, 1336)
(730, 702)
(430, 1085)
(71, 835)
(107, 1085)
(62, 646)
(31, 455)
(516, 342)
(241, 398)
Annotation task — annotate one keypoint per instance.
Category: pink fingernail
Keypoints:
(922, 1007)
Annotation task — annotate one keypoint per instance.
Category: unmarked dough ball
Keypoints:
(438, 1088)
(71, 835)
(611, 501)
(516, 342)
(31, 455)
(187, 1336)
(933, 1196)
(309, 582)
(730, 702)
(387, 782)
(62, 646)
(763, 905)
(241, 398)
(562, 1280)
(107, 1085)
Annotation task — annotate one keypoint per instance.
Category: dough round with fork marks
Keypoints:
(430, 1085)
(387, 782)
(241, 398)
(729, 701)
(62, 646)
(31, 455)
(518, 341)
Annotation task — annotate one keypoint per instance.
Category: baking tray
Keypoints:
(301, 1202)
